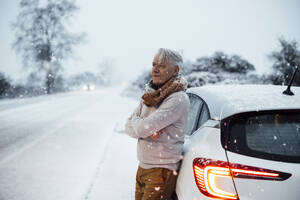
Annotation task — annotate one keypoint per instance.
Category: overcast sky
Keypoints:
(129, 32)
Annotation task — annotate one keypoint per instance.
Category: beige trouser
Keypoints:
(155, 184)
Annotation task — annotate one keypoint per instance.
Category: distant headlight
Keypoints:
(92, 87)
(85, 87)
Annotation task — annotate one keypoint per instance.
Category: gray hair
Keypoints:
(173, 57)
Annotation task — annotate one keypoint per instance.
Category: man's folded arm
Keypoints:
(166, 114)
(128, 127)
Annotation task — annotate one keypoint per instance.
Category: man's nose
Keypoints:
(155, 69)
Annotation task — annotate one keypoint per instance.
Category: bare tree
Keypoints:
(42, 38)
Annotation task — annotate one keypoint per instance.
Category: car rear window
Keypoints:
(273, 135)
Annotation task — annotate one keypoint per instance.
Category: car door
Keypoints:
(263, 150)
(202, 147)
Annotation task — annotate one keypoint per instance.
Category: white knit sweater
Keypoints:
(171, 117)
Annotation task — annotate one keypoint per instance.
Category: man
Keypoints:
(159, 123)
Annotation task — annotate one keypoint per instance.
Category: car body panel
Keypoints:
(196, 146)
(267, 189)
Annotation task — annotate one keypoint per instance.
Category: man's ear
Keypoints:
(176, 71)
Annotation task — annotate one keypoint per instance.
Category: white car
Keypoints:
(243, 142)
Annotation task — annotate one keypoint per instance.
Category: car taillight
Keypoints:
(214, 178)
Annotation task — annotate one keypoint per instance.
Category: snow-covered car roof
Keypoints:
(226, 100)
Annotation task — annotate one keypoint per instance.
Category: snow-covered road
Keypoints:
(64, 147)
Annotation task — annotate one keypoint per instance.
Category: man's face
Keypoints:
(162, 71)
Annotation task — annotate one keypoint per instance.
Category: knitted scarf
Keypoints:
(154, 97)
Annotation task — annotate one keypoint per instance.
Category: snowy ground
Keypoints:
(67, 146)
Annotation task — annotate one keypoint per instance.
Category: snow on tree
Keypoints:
(220, 62)
(220, 68)
(145, 77)
(285, 60)
(43, 40)
(197, 79)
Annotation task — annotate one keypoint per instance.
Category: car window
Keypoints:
(193, 116)
(276, 134)
(204, 115)
(273, 135)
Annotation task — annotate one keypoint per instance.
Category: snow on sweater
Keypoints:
(171, 117)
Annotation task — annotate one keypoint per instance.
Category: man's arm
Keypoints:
(166, 114)
(128, 128)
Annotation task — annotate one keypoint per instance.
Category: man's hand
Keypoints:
(156, 135)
